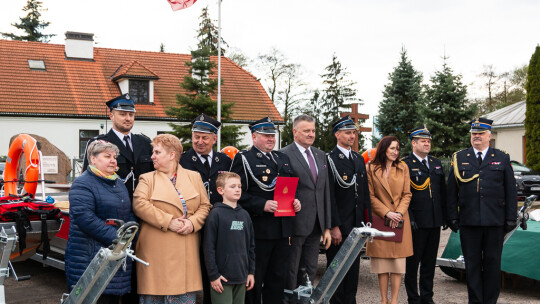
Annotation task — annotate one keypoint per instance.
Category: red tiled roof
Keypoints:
(79, 88)
(134, 69)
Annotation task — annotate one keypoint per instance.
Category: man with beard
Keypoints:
(351, 205)
(209, 163)
(427, 212)
(135, 149)
(259, 168)
(482, 203)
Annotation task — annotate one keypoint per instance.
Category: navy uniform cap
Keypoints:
(263, 126)
(205, 124)
(121, 103)
(481, 125)
(345, 123)
(420, 132)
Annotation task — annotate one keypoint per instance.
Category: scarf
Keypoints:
(98, 172)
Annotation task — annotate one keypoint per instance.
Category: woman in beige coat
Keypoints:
(172, 204)
(390, 193)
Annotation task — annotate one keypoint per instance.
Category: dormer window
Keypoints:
(137, 80)
(36, 65)
(139, 90)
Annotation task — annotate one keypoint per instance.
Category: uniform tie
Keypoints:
(312, 167)
(479, 158)
(424, 163)
(351, 158)
(269, 156)
(206, 162)
(128, 147)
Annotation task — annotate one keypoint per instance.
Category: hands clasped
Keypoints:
(395, 218)
(271, 205)
(181, 225)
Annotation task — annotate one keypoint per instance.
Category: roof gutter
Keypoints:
(508, 126)
(144, 118)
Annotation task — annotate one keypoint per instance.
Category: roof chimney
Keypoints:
(79, 46)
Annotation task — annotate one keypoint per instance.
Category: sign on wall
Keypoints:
(49, 164)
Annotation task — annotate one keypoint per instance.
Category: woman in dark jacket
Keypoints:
(97, 195)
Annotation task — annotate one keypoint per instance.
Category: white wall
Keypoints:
(64, 132)
(510, 140)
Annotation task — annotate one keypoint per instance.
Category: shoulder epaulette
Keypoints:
(404, 158)
(145, 136)
(100, 136)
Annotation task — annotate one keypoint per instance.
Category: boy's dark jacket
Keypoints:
(229, 244)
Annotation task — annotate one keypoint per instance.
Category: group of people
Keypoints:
(207, 222)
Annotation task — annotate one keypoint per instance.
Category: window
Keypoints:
(36, 65)
(84, 136)
(139, 91)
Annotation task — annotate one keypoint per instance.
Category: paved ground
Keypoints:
(47, 285)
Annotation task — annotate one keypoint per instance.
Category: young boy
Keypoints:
(229, 244)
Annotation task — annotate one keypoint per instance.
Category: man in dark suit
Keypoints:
(258, 168)
(310, 165)
(351, 205)
(135, 149)
(202, 158)
(209, 163)
(134, 158)
(482, 203)
(427, 212)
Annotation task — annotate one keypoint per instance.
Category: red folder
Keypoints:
(284, 194)
(378, 223)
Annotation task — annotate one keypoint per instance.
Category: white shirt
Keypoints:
(484, 153)
(421, 159)
(121, 136)
(203, 160)
(303, 152)
(344, 151)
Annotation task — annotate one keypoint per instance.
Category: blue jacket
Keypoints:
(92, 200)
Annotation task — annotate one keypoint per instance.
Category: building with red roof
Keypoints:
(59, 91)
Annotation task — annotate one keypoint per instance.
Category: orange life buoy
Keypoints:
(369, 155)
(230, 151)
(26, 144)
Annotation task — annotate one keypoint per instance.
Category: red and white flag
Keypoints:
(181, 4)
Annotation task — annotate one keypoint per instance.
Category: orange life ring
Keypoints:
(369, 155)
(26, 144)
(230, 151)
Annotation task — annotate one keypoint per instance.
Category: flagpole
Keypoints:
(219, 76)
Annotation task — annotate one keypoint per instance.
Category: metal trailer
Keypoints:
(104, 266)
(455, 267)
(307, 294)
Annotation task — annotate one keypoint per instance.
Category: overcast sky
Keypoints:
(366, 36)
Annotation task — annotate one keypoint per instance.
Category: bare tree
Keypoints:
(274, 65)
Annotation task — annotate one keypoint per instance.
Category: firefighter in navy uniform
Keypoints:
(133, 160)
(209, 163)
(427, 212)
(135, 149)
(350, 202)
(203, 158)
(258, 168)
(482, 203)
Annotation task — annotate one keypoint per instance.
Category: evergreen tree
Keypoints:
(402, 98)
(208, 34)
(532, 113)
(446, 112)
(31, 24)
(336, 98)
(199, 86)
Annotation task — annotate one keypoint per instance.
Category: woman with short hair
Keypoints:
(390, 193)
(172, 204)
(95, 196)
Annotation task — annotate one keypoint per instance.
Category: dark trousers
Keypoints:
(304, 254)
(425, 246)
(346, 291)
(207, 299)
(482, 250)
(271, 257)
